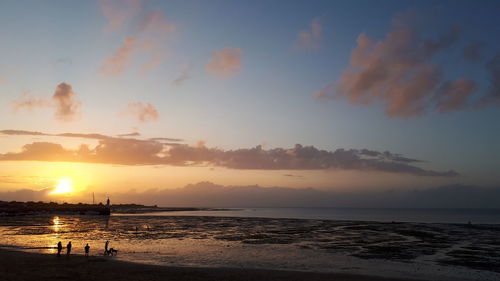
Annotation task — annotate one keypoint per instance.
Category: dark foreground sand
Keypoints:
(15, 265)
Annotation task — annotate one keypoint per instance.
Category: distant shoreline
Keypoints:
(16, 208)
(17, 265)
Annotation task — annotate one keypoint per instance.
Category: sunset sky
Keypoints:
(135, 95)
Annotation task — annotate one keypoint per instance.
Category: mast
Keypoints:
(93, 199)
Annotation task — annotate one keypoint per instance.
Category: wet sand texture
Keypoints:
(16, 265)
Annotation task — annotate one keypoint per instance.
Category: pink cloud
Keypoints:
(399, 72)
(117, 64)
(130, 151)
(150, 31)
(310, 39)
(67, 108)
(142, 112)
(63, 101)
(225, 62)
(27, 101)
(453, 95)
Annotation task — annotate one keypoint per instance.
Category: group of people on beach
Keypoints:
(60, 247)
(107, 251)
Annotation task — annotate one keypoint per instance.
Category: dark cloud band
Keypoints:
(130, 151)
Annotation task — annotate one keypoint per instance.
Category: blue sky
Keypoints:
(270, 99)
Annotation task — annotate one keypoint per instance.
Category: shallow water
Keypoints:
(392, 249)
(482, 216)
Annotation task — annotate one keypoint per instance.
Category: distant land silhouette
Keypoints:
(31, 207)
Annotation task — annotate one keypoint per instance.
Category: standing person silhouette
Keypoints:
(87, 250)
(59, 248)
(106, 245)
(68, 248)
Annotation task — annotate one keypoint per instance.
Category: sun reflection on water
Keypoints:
(56, 224)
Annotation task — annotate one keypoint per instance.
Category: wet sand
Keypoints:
(16, 265)
(440, 252)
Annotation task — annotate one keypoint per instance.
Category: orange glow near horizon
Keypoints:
(86, 178)
(64, 186)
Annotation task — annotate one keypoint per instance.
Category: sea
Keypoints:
(430, 244)
(481, 216)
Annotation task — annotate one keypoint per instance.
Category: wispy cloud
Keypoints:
(22, 133)
(29, 102)
(310, 39)
(63, 62)
(183, 76)
(166, 139)
(293, 176)
(69, 135)
(117, 64)
(149, 28)
(155, 151)
(134, 134)
(225, 62)
(142, 112)
(85, 135)
(63, 101)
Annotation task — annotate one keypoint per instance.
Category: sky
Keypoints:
(135, 96)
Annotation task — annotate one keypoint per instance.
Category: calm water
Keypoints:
(482, 216)
(313, 239)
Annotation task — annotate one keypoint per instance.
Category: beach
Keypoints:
(145, 140)
(234, 246)
(18, 265)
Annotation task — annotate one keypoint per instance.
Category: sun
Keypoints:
(63, 186)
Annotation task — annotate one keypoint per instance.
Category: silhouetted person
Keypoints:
(106, 245)
(87, 250)
(68, 248)
(59, 248)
